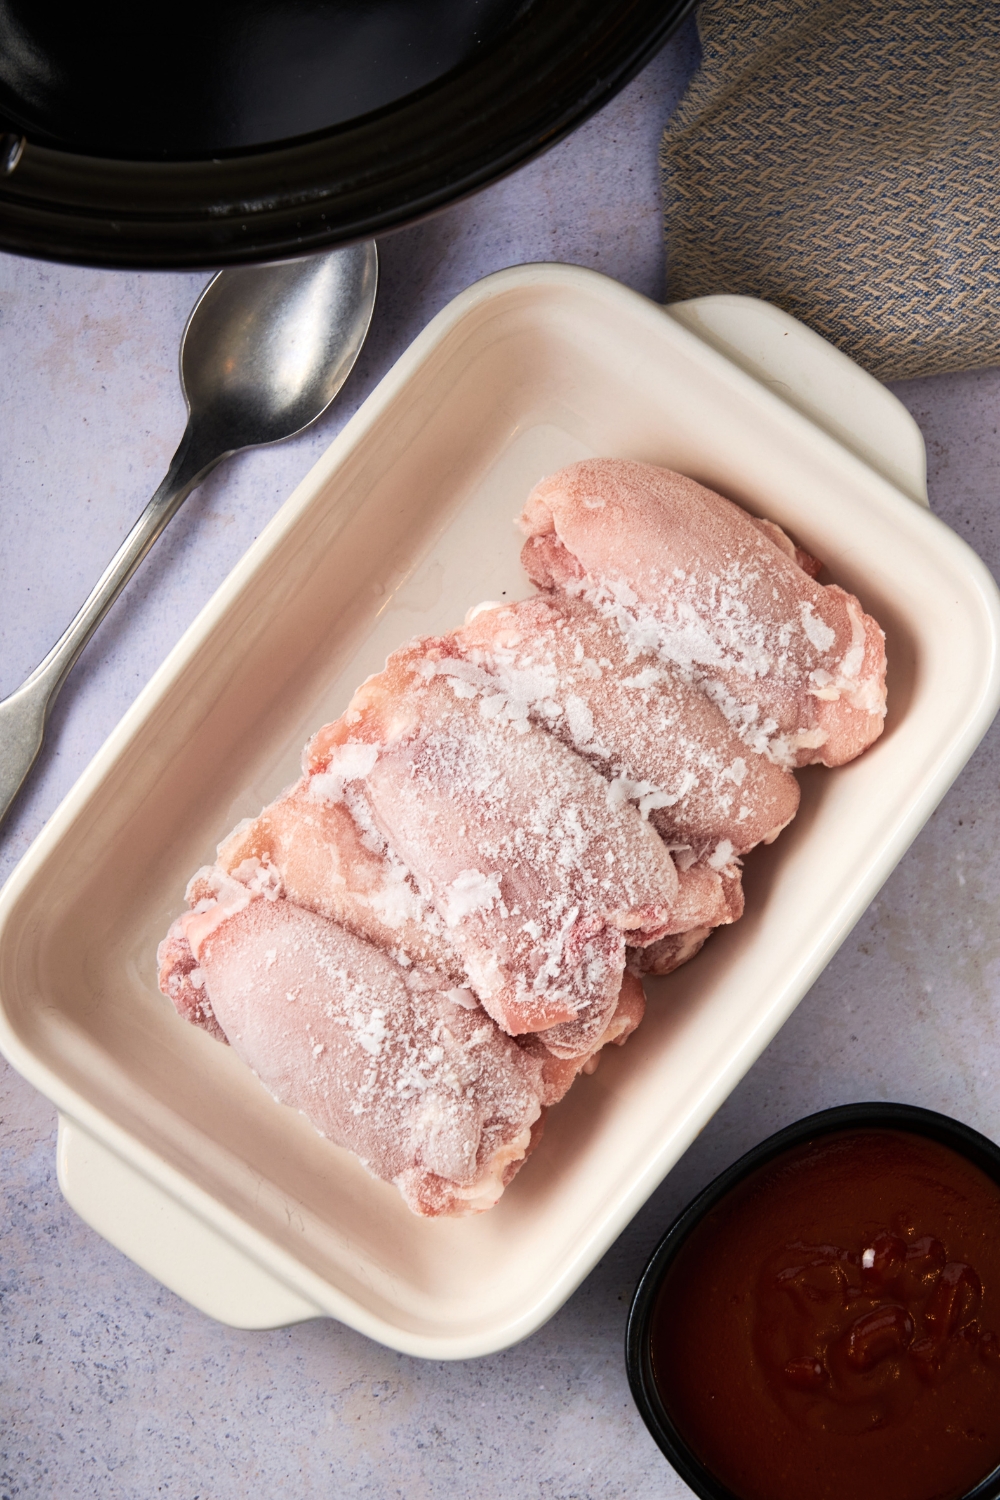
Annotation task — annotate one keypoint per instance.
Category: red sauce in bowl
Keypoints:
(829, 1330)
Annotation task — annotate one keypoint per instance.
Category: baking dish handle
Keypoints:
(168, 1240)
(821, 382)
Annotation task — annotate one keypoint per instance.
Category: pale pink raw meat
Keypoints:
(430, 1095)
(669, 953)
(539, 876)
(706, 898)
(706, 894)
(183, 982)
(325, 862)
(799, 669)
(310, 850)
(215, 895)
(657, 738)
(558, 1073)
(219, 894)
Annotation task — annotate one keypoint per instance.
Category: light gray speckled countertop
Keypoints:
(109, 1385)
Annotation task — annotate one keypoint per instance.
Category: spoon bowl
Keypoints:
(265, 351)
(267, 348)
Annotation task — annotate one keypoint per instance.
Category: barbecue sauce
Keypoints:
(829, 1331)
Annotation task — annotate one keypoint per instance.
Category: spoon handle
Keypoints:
(24, 714)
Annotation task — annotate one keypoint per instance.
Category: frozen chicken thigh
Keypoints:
(538, 874)
(313, 847)
(663, 745)
(798, 669)
(431, 1095)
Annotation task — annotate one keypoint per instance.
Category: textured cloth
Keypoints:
(842, 160)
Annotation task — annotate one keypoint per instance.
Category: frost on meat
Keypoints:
(424, 940)
(310, 843)
(657, 738)
(539, 876)
(429, 1094)
(798, 669)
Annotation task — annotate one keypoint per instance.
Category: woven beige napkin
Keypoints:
(843, 161)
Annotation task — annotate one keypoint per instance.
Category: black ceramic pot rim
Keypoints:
(541, 79)
(978, 1149)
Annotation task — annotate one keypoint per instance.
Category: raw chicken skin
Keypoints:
(798, 669)
(669, 953)
(216, 895)
(558, 1073)
(706, 895)
(706, 898)
(183, 982)
(430, 1095)
(423, 942)
(310, 850)
(657, 738)
(325, 862)
(538, 874)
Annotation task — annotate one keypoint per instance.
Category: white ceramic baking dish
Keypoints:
(167, 1143)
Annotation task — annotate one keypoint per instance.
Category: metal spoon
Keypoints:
(265, 351)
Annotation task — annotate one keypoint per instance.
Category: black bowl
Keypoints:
(240, 130)
(982, 1152)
